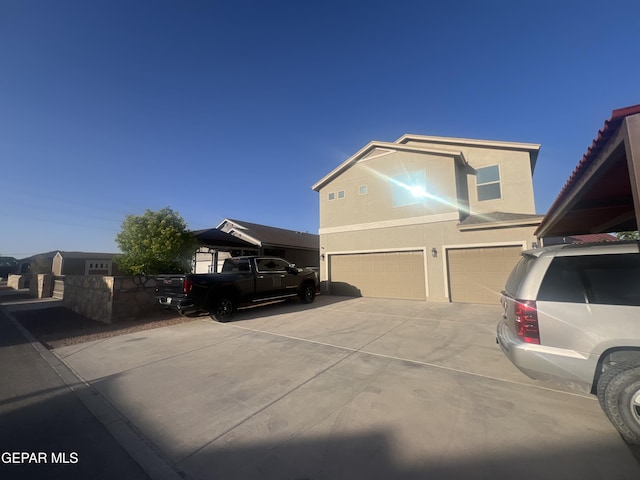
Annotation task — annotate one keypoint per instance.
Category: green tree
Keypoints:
(155, 242)
(628, 235)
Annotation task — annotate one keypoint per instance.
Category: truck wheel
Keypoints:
(223, 310)
(621, 400)
(308, 293)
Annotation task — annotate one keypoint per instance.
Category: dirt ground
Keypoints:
(58, 327)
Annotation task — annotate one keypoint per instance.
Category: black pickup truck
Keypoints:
(243, 281)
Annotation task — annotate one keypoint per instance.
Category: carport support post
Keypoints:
(632, 148)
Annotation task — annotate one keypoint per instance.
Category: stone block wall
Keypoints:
(41, 285)
(133, 297)
(89, 295)
(110, 299)
(19, 281)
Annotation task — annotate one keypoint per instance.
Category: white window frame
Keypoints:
(498, 182)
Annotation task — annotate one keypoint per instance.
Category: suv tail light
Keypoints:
(527, 321)
(187, 285)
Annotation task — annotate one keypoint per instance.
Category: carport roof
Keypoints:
(215, 238)
(264, 235)
(602, 194)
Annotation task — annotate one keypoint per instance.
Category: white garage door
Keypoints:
(478, 275)
(384, 275)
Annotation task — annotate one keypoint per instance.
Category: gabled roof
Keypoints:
(48, 255)
(532, 148)
(263, 235)
(384, 148)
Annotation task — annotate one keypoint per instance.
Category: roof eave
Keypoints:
(531, 147)
(533, 222)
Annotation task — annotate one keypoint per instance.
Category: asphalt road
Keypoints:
(46, 431)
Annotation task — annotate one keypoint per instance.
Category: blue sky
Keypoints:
(233, 109)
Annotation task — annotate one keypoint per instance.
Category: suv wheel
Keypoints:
(223, 310)
(619, 395)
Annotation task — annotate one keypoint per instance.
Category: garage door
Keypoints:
(478, 275)
(384, 275)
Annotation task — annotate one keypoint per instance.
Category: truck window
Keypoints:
(236, 265)
(271, 265)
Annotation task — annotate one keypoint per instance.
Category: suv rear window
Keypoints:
(599, 279)
(518, 273)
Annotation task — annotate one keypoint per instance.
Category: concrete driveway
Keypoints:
(348, 388)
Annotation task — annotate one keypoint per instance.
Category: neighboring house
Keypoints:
(39, 263)
(239, 237)
(591, 237)
(435, 218)
(82, 263)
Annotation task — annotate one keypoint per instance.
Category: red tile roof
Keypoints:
(593, 237)
(610, 127)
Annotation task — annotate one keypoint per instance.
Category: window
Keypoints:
(236, 265)
(363, 190)
(562, 282)
(341, 194)
(599, 279)
(488, 183)
(331, 196)
(410, 188)
(613, 279)
(271, 265)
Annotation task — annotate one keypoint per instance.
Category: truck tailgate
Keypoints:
(170, 285)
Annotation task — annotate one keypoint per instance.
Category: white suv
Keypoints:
(572, 316)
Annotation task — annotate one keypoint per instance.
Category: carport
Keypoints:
(603, 192)
(213, 241)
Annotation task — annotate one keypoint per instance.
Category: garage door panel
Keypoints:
(383, 275)
(478, 275)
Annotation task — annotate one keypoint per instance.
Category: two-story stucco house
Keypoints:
(435, 218)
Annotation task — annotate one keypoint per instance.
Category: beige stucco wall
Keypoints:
(515, 176)
(378, 175)
(56, 266)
